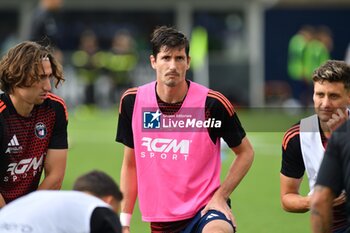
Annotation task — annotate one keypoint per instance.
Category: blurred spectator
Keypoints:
(317, 51)
(122, 60)
(347, 55)
(308, 49)
(296, 49)
(10, 41)
(296, 67)
(44, 23)
(44, 26)
(87, 62)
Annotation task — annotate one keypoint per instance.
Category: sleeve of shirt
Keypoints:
(292, 159)
(124, 128)
(104, 220)
(59, 138)
(330, 173)
(231, 129)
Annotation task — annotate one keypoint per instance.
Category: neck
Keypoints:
(174, 94)
(21, 107)
(326, 131)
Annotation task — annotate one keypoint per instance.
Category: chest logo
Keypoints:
(40, 130)
(151, 120)
(14, 146)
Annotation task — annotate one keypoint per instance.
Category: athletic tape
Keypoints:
(125, 219)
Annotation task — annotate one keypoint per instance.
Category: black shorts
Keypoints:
(198, 223)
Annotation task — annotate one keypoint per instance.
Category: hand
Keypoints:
(219, 204)
(337, 119)
(339, 200)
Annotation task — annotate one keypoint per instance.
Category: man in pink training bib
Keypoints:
(171, 130)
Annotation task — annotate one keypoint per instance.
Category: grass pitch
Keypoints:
(255, 203)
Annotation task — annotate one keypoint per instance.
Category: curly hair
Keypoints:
(170, 38)
(333, 71)
(20, 66)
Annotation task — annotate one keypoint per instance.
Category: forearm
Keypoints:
(321, 220)
(295, 203)
(236, 173)
(128, 186)
(128, 181)
(54, 169)
(321, 210)
(51, 182)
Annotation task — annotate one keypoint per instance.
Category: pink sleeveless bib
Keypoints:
(178, 165)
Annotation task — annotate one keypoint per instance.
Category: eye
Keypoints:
(334, 96)
(320, 95)
(45, 77)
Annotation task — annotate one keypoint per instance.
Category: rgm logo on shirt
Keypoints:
(165, 148)
(23, 167)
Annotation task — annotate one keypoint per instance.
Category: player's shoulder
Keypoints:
(56, 102)
(3, 104)
(291, 134)
(6, 106)
(216, 99)
(55, 98)
(128, 97)
(129, 94)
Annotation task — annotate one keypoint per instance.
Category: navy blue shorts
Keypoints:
(198, 223)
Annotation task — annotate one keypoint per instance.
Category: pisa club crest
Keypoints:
(40, 130)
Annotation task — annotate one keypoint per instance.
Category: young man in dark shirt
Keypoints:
(33, 122)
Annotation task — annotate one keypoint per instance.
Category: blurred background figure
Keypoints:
(317, 50)
(296, 62)
(296, 50)
(44, 26)
(87, 65)
(122, 59)
(309, 48)
(347, 55)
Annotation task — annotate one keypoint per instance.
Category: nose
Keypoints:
(326, 102)
(172, 64)
(47, 84)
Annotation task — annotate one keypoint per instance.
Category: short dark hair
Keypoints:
(99, 184)
(170, 38)
(333, 71)
(20, 66)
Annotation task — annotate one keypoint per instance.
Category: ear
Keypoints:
(153, 61)
(107, 199)
(188, 62)
(348, 93)
(110, 200)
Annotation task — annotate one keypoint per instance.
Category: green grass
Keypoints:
(255, 203)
